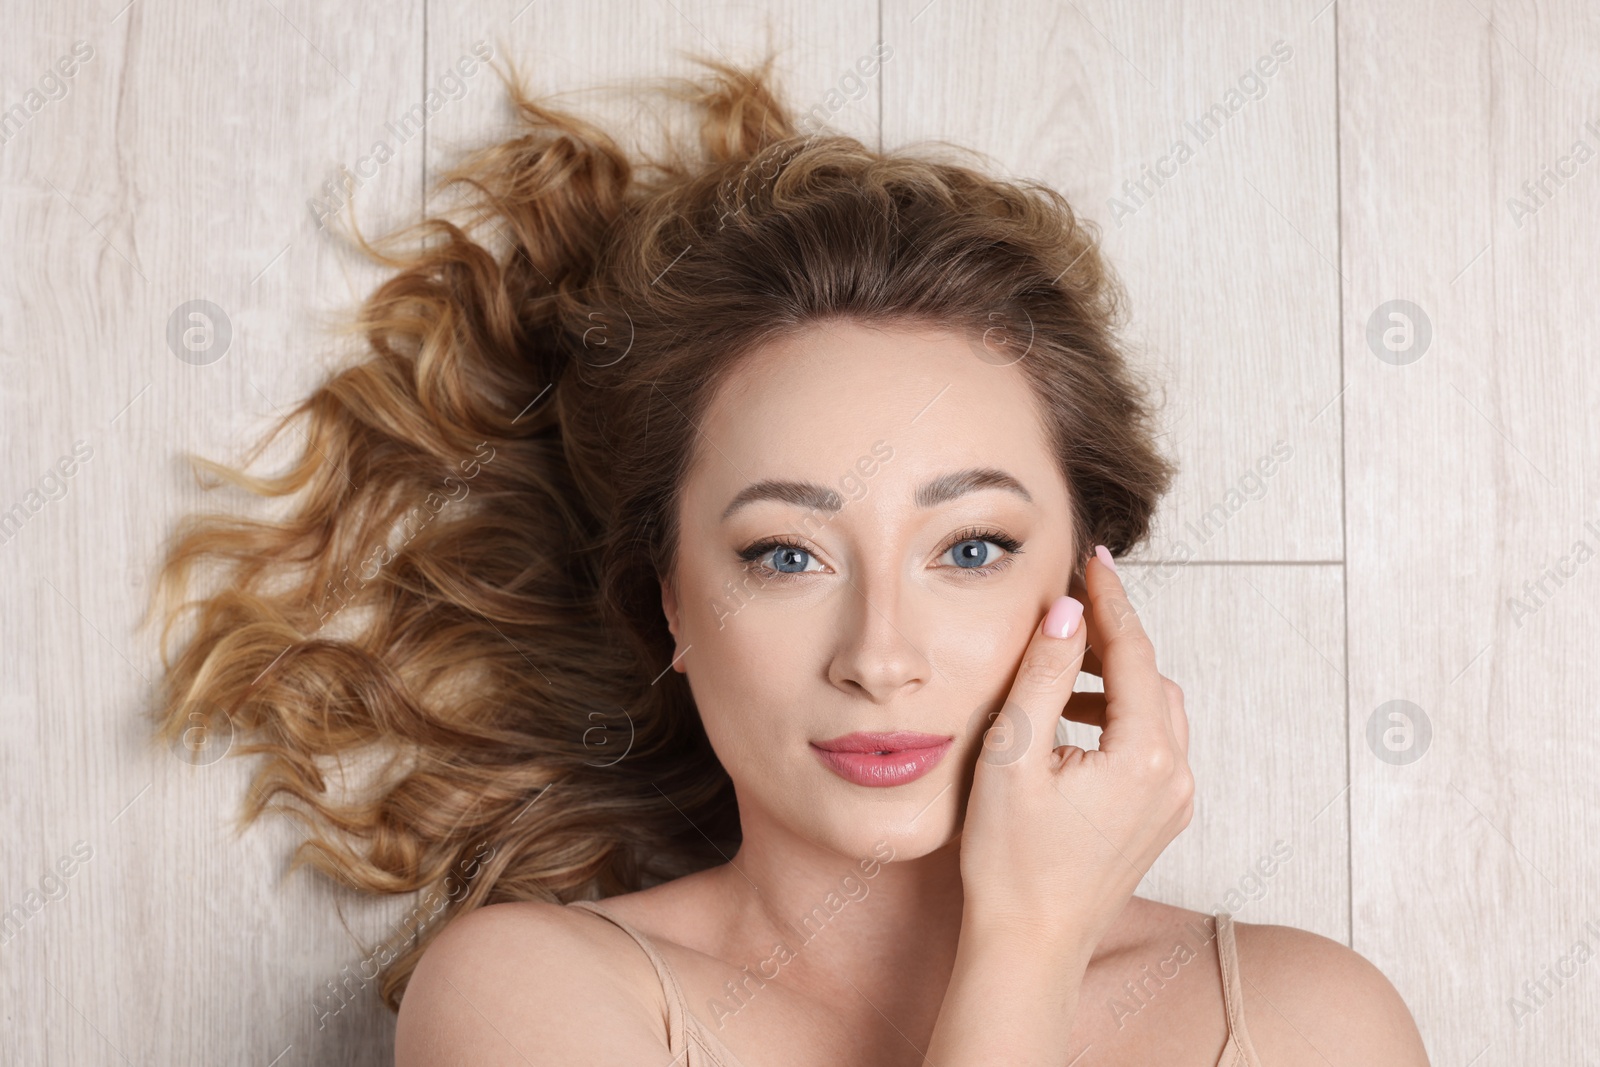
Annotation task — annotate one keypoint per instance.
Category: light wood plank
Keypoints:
(1471, 471)
(179, 166)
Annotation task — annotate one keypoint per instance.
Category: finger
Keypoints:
(1024, 732)
(1179, 715)
(1137, 717)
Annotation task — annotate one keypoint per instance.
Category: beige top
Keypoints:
(699, 1046)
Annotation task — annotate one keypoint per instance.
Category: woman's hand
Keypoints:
(1055, 840)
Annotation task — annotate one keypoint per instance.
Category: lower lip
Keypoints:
(895, 768)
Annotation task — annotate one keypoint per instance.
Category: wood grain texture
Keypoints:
(1423, 532)
(1469, 478)
(180, 165)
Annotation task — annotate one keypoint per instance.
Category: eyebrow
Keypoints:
(930, 494)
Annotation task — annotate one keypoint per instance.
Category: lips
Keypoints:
(881, 760)
(899, 741)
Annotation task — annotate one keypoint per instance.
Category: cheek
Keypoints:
(979, 660)
(717, 598)
(980, 645)
(751, 678)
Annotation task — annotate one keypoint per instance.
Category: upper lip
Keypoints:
(899, 741)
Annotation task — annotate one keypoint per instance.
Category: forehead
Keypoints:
(814, 404)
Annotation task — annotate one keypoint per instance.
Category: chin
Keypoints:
(888, 831)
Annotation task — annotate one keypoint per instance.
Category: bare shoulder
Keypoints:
(1310, 1000)
(530, 984)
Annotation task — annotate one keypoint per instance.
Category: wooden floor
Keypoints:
(1362, 241)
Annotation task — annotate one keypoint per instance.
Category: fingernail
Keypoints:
(1104, 554)
(1062, 619)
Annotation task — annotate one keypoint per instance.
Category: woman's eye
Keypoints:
(975, 552)
(789, 560)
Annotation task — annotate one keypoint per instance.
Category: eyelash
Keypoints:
(753, 555)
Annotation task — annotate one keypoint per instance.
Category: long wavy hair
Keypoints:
(465, 577)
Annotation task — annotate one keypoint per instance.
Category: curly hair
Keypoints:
(465, 579)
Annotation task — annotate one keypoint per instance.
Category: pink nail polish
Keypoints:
(1063, 617)
(1104, 555)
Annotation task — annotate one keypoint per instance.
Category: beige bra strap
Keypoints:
(671, 991)
(1233, 986)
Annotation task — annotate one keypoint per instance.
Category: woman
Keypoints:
(752, 487)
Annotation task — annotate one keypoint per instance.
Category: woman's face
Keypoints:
(894, 464)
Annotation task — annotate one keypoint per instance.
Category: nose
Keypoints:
(880, 654)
